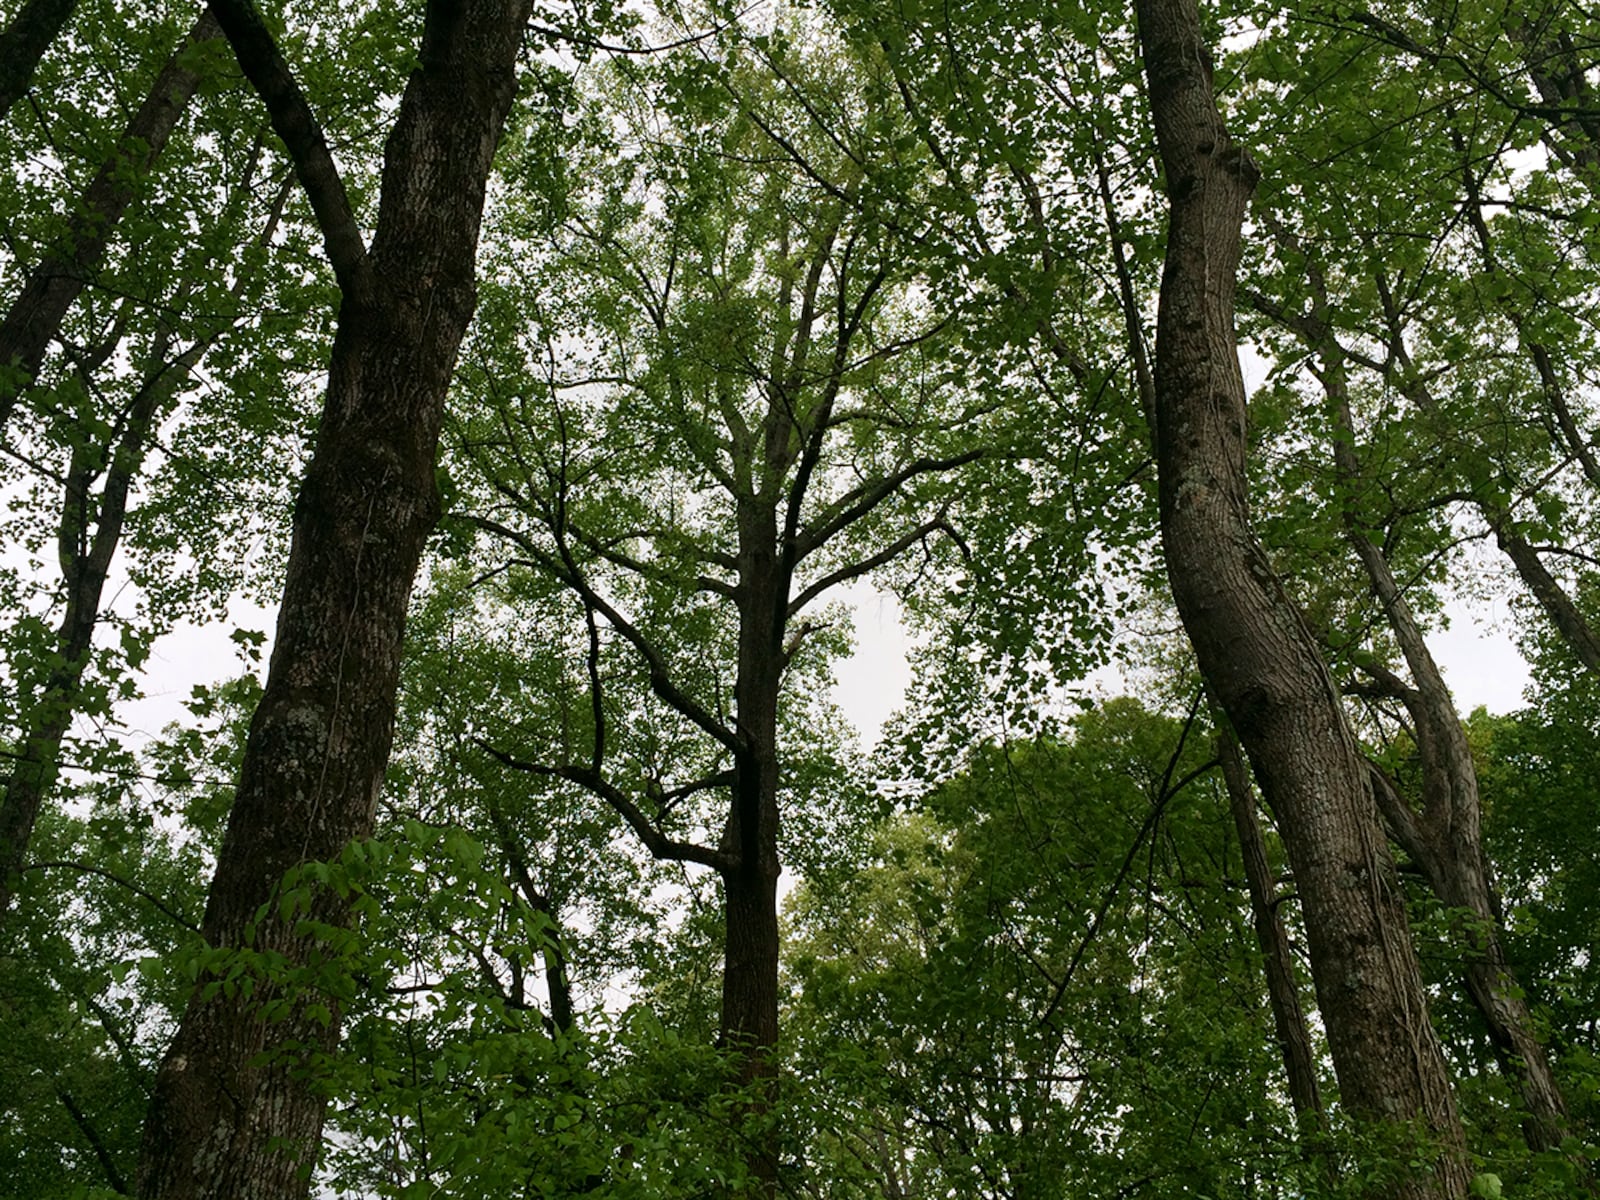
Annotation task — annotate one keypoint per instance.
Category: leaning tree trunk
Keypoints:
(1259, 659)
(1445, 840)
(237, 1110)
(23, 43)
(88, 536)
(34, 318)
(26, 331)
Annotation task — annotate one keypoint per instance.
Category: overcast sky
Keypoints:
(1480, 663)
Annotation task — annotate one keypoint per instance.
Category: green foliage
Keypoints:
(1040, 982)
(796, 256)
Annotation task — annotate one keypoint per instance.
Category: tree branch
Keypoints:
(871, 563)
(23, 44)
(704, 583)
(659, 844)
(264, 65)
(136, 889)
(91, 1135)
(660, 678)
(861, 500)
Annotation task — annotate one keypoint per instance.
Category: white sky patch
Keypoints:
(193, 655)
(872, 683)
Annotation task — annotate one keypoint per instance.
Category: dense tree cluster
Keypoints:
(563, 372)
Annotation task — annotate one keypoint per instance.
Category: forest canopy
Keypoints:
(560, 377)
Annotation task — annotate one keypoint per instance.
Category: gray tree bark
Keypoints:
(1257, 655)
(236, 1110)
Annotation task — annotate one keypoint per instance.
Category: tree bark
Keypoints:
(237, 1110)
(749, 1021)
(1259, 659)
(35, 317)
(23, 44)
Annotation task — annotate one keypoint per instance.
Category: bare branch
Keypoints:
(660, 675)
(89, 869)
(264, 65)
(861, 500)
(96, 1143)
(659, 844)
(861, 567)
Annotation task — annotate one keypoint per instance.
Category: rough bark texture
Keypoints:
(235, 1111)
(1445, 839)
(1283, 992)
(1258, 658)
(35, 317)
(23, 43)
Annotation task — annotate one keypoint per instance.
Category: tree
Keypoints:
(231, 1110)
(1039, 983)
(102, 422)
(1253, 647)
(729, 403)
(783, 302)
(34, 318)
(1463, 251)
(1390, 493)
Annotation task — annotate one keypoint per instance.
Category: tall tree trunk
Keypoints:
(1452, 862)
(236, 1110)
(1445, 838)
(749, 1022)
(35, 316)
(750, 966)
(23, 43)
(1258, 657)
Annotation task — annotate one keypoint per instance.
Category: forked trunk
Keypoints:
(238, 1108)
